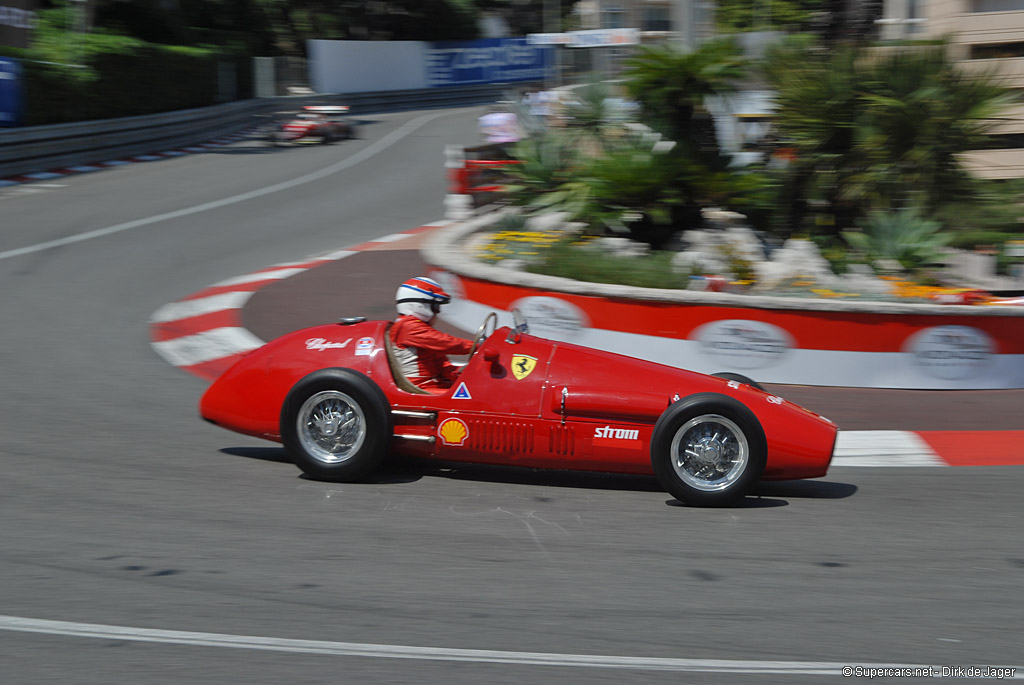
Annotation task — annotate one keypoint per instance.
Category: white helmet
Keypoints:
(421, 297)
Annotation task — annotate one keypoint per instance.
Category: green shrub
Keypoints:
(903, 235)
(968, 240)
(580, 263)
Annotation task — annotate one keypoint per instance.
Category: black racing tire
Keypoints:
(708, 450)
(739, 378)
(336, 425)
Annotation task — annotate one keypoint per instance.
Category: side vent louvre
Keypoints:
(501, 436)
(562, 440)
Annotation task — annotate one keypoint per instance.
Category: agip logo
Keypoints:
(453, 432)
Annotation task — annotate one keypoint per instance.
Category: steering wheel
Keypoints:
(482, 332)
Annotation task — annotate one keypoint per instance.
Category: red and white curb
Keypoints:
(152, 157)
(203, 333)
(929, 448)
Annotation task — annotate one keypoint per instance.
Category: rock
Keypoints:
(549, 221)
(796, 259)
(621, 247)
(721, 218)
(888, 266)
(697, 262)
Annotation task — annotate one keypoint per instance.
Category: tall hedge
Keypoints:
(152, 79)
(69, 76)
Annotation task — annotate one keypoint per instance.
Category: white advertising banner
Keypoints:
(767, 345)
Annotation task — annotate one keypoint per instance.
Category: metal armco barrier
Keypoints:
(42, 148)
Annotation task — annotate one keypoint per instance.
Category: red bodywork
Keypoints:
(324, 124)
(507, 406)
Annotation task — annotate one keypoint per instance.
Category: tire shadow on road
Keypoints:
(806, 489)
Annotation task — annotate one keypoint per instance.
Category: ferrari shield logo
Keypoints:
(522, 365)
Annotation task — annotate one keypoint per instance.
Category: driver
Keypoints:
(420, 348)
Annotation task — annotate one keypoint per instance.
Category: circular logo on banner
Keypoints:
(550, 317)
(743, 344)
(951, 352)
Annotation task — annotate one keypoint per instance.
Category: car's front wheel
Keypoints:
(336, 425)
(708, 450)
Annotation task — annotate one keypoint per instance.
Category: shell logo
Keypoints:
(453, 432)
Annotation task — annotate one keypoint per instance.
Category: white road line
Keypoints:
(883, 448)
(338, 254)
(364, 154)
(207, 346)
(273, 275)
(186, 309)
(393, 237)
(325, 648)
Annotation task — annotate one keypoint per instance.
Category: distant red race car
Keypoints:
(335, 397)
(315, 123)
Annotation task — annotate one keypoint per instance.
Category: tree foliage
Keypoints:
(282, 27)
(832, 21)
(671, 86)
(878, 130)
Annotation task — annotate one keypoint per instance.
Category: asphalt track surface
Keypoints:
(141, 545)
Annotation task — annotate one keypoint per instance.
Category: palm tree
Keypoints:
(921, 113)
(877, 130)
(671, 86)
(817, 115)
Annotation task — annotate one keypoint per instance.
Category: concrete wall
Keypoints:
(366, 66)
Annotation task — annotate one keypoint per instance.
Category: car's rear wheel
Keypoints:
(708, 450)
(336, 425)
(739, 378)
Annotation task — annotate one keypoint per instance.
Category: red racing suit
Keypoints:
(423, 351)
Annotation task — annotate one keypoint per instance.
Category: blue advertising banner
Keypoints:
(10, 92)
(490, 60)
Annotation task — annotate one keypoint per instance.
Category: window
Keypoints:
(657, 19)
(1006, 141)
(613, 18)
(997, 50)
(997, 5)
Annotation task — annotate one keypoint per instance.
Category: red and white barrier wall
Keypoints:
(772, 340)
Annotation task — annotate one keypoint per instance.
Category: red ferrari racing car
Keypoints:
(335, 397)
(315, 123)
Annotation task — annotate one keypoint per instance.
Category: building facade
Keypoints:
(986, 37)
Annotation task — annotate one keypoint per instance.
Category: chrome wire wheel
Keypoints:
(331, 426)
(709, 452)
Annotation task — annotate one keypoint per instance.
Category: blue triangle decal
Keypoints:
(462, 392)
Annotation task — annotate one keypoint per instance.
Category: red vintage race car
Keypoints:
(335, 397)
(315, 123)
